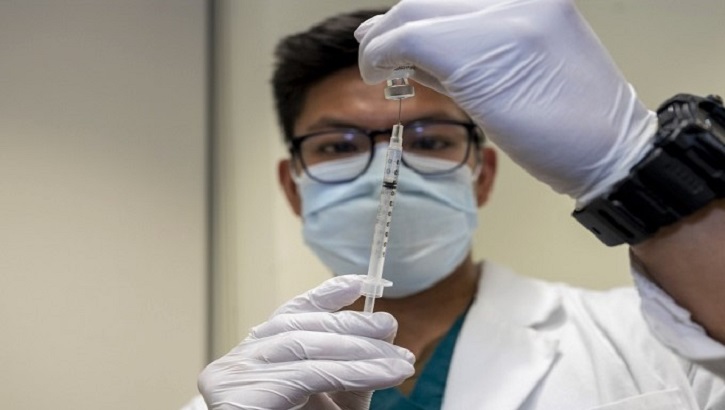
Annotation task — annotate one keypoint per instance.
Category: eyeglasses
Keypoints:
(430, 147)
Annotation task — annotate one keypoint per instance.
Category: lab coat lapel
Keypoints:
(500, 356)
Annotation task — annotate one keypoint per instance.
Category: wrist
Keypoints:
(618, 168)
(682, 172)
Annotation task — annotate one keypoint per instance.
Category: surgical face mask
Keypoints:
(431, 231)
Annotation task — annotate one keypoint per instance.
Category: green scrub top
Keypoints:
(431, 385)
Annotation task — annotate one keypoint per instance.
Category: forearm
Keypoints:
(687, 260)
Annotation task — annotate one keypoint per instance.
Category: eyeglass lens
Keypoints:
(428, 148)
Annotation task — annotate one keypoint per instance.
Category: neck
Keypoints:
(426, 316)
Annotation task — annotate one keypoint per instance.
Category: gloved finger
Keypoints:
(327, 376)
(332, 295)
(312, 346)
(381, 53)
(289, 385)
(340, 399)
(379, 325)
(407, 11)
(394, 39)
(421, 76)
(366, 26)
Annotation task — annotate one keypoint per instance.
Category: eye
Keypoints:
(429, 143)
(332, 145)
(337, 147)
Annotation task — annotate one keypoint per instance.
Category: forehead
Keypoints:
(343, 98)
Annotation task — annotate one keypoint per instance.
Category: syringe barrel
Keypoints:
(374, 283)
(393, 157)
(380, 237)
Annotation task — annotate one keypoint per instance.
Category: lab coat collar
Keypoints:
(502, 352)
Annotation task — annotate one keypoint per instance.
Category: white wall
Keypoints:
(663, 47)
(102, 203)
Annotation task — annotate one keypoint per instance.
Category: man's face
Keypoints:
(344, 100)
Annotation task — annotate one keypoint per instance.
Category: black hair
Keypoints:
(304, 59)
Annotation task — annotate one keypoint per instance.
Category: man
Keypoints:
(466, 335)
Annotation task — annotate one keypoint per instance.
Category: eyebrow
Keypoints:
(333, 122)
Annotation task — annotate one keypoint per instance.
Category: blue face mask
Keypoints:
(430, 235)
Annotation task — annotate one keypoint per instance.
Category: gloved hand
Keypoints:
(308, 356)
(532, 74)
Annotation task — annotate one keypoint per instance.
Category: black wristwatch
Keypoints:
(683, 172)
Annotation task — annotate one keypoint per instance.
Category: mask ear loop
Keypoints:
(477, 170)
(479, 164)
(297, 179)
(479, 144)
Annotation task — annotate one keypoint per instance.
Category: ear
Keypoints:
(284, 175)
(484, 183)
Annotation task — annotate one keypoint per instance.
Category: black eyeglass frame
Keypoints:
(475, 136)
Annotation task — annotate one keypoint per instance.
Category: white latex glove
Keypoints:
(307, 356)
(532, 74)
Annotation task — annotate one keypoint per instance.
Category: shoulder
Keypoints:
(613, 304)
(614, 314)
(611, 323)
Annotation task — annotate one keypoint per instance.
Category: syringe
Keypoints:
(397, 88)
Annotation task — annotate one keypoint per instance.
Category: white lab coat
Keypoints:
(533, 345)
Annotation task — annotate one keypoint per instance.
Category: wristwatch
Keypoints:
(683, 172)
